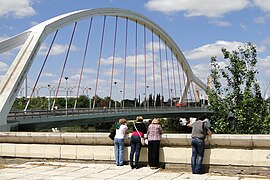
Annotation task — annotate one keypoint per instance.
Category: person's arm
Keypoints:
(160, 129)
(125, 128)
(189, 124)
(209, 132)
(144, 129)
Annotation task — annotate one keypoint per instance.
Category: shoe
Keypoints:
(132, 167)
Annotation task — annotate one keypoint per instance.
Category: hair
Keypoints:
(155, 121)
(139, 119)
(122, 120)
(201, 117)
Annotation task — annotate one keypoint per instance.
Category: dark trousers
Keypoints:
(153, 153)
(135, 144)
(197, 155)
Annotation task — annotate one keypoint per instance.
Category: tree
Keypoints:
(235, 96)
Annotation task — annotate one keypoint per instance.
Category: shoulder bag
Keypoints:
(144, 141)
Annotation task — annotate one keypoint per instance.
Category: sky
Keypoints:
(200, 28)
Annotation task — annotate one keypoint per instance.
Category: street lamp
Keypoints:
(90, 98)
(49, 100)
(171, 97)
(121, 98)
(147, 99)
(115, 94)
(66, 78)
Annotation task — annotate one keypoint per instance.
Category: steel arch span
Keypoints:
(31, 40)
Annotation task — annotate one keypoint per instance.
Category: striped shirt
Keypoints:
(154, 132)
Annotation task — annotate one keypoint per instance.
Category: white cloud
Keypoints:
(220, 23)
(209, 8)
(263, 4)
(3, 67)
(6, 27)
(3, 38)
(57, 49)
(259, 20)
(202, 71)
(243, 26)
(264, 66)
(16, 8)
(209, 50)
(46, 74)
(33, 23)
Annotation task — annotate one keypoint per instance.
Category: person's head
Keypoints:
(155, 121)
(201, 117)
(139, 119)
(122, 121)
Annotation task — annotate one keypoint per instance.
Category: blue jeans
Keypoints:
(197, 155)
(135, 143)
(119, 151)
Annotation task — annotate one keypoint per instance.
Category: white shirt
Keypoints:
(121, 132)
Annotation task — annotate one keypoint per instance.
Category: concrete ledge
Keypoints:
(221, 149)
(168, 155)
(168, 140)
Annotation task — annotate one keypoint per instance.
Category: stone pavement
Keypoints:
(83, 171)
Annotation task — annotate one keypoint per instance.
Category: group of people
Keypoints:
(139, 130)
(200, 129)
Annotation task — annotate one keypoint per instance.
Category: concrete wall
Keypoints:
(244, 150)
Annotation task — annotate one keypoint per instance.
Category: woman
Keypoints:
(135, 141)
(154, 133)
(121, 131)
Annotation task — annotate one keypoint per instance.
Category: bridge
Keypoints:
(116, 53)
(83, 116)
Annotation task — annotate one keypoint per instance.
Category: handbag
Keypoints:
(144, 141)
(112, 134)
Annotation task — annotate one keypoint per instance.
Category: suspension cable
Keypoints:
(179, 78)
(168, 76)
(114, 49)
(161, 78)
(63, 69)
(42, 67)
(136, 60)
(154, 78)
(184, 78)
(125, 66)
(173, 74)
(99, 59)
(145, 67)
(188, 92)
(84, 58)
(194, 92)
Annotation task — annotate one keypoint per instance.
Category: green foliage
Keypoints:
(236, 92)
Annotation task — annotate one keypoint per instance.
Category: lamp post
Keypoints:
(66, 78)
(147, 99)
(171, 97)
(89, 97)
(121, 99)
(115, 94)
(49, 100)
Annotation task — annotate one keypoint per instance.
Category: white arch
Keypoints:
(32, 38)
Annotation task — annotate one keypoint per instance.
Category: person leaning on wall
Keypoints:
(154, 133)
(198, 134)
(135, 141)
(121, 131)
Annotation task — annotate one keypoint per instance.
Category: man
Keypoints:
(199, 132)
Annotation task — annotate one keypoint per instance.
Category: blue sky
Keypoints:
(199, 27)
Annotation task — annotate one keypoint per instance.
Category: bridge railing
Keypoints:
(18, 115)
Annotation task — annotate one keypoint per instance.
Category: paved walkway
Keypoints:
(82, 171)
